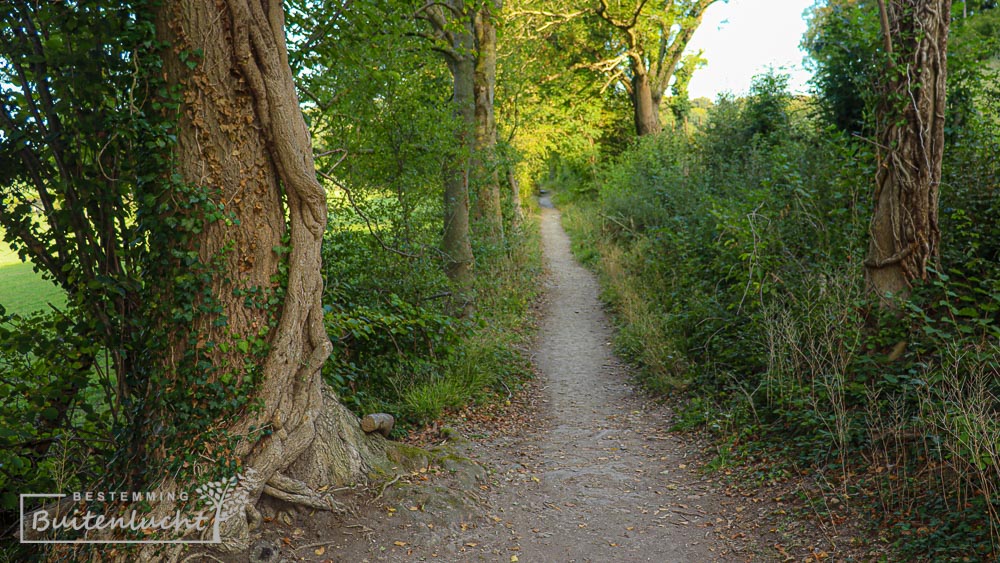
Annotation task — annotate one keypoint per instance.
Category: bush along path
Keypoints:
(580, 468)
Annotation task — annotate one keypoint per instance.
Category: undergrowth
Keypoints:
(398, 350)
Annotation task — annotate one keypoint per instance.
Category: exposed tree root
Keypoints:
(296, 492)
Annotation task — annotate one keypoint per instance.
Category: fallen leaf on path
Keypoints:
(783, 553)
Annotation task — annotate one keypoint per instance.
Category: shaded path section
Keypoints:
(600, 479)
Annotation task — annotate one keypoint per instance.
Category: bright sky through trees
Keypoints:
(742, 38)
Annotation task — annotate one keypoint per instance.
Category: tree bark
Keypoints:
(457, 244)
(488, 211)
(453, 28)
(515, 197)
(242, 134)
(645, 105)
(904, 227)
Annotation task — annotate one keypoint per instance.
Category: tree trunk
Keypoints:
(242, 134)
(488, 211)
(645, 105)
(515, 197)
(456, 245)
(904, 226)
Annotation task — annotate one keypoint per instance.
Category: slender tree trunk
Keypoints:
(515, 197)
(645, 105)
(904, 226)
(488, 210)
(242, 134)
(454, 28)
(456, 244)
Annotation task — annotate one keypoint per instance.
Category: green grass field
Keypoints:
(23, 291)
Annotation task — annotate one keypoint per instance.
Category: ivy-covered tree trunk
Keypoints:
(242, 135)
(488, 210)
(910, 129)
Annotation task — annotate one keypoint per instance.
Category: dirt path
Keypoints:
(604, 481)
(594, 475)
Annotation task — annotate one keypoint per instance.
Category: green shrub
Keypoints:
(398, 349)
(54, 418)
